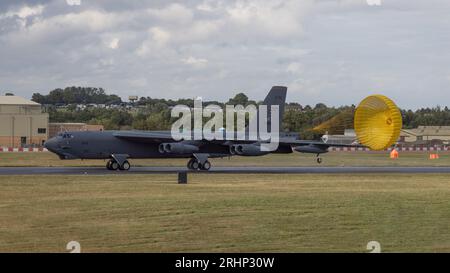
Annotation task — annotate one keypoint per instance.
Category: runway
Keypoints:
(218, 170)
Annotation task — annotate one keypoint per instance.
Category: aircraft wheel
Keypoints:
(189, 164)
(195, 165)
(125, 166)
(319, 160)
(108, 165)
(206, 166)
(114, 166)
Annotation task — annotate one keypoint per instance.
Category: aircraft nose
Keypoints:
(51, 144)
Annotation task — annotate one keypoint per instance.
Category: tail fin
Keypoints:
(276, 96)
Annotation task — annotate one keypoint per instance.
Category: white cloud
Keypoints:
(155, 42)
(373, 2)
(269, 18)
(65, 25)
(114, 44)
(73, 2)
(160, 36)
(24, 12)
(173, 13)
(195, 62)
(205, 6)
(201, 30)
(324, 50)
(294, 68)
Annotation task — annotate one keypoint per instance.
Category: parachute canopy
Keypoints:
(377, 122)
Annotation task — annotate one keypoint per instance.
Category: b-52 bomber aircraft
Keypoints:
(377, 124)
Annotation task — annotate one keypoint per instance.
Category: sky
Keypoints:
(330, 51)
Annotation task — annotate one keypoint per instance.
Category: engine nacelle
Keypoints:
(177, 148)
(247, 150)
(311, 149)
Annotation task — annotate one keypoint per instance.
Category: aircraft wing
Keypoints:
(296, 142)
(160, 137)
(165, 136)
(142, 136)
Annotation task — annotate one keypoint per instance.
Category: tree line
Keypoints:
(155, 114)
(76, 95)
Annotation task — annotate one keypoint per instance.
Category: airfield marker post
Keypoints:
(182, 177)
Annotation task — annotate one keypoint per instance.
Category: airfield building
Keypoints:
(423, 135)
(22, 122)
(55, 128)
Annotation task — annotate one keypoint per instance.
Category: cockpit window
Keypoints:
(65, 135)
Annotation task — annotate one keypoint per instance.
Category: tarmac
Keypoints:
(219, 170)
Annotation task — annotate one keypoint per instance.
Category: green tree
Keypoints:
(240, 99)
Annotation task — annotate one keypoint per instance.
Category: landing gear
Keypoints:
(125, 166)
(194, 164)
(112, 165)
(319, 159)
(206, 166)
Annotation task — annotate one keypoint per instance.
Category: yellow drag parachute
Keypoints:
(377, 122)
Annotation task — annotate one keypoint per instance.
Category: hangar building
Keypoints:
(423, 135)
(22, 122)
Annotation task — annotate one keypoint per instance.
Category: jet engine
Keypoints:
(177, 148)
(247, 150)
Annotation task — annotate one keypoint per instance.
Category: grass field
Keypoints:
(227, 213)
(294, 159)
(219, 213)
